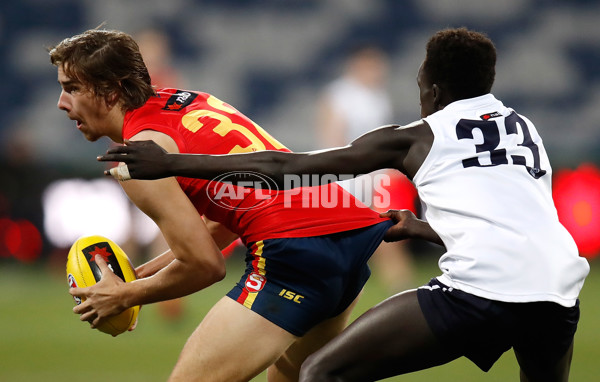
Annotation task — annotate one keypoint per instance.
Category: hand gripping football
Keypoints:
(82, 271)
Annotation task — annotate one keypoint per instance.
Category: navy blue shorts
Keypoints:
(482, 330)
(298, 282)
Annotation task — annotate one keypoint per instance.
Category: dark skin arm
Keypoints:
(398, 147)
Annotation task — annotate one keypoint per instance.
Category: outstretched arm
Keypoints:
(385, 147)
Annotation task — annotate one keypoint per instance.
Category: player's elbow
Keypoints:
(219, 273)
(204, 272)
(214, 271)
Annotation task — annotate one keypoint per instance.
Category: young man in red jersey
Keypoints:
(484, 179)
(306, 262)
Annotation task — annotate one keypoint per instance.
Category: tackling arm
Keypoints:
(385, 147)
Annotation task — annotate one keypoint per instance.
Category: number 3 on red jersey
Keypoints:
(193, 122)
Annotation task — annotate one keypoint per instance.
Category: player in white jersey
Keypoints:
(511, 275)
(486, 185)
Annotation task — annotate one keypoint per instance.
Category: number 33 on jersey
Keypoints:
(491, 141)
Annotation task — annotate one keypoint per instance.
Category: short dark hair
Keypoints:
(108, 62)
(461, 61)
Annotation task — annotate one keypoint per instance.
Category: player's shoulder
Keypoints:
(163, 139)
(394, 143)
(395, 137)
(415, 127)
(416, 131)
(177, 100)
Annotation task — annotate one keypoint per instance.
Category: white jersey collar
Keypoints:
(470, 103)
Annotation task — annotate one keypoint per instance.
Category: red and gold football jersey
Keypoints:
(202, 124)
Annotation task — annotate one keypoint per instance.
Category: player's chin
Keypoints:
(90, 137)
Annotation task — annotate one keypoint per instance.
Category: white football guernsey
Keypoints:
(486, 190)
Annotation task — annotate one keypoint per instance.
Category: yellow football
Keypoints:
(82, 271)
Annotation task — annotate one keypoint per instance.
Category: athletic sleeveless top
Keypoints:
(486, 190)
(200, 123)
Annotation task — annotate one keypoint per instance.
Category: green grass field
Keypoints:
(42, 340)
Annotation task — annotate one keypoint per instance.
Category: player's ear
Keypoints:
(112, 99)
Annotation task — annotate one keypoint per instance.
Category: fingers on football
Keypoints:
(78, 292)
(89, 316)
(101, 264)
(84, 307)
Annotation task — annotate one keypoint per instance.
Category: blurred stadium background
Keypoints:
(270, 59)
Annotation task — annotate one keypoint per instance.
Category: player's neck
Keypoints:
(114, 120)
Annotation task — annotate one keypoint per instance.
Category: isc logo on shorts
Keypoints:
(255, 282)
(292, 296)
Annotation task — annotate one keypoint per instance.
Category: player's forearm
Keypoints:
(177, 279)
(272, 164)
(151, 267)
(373, 151)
